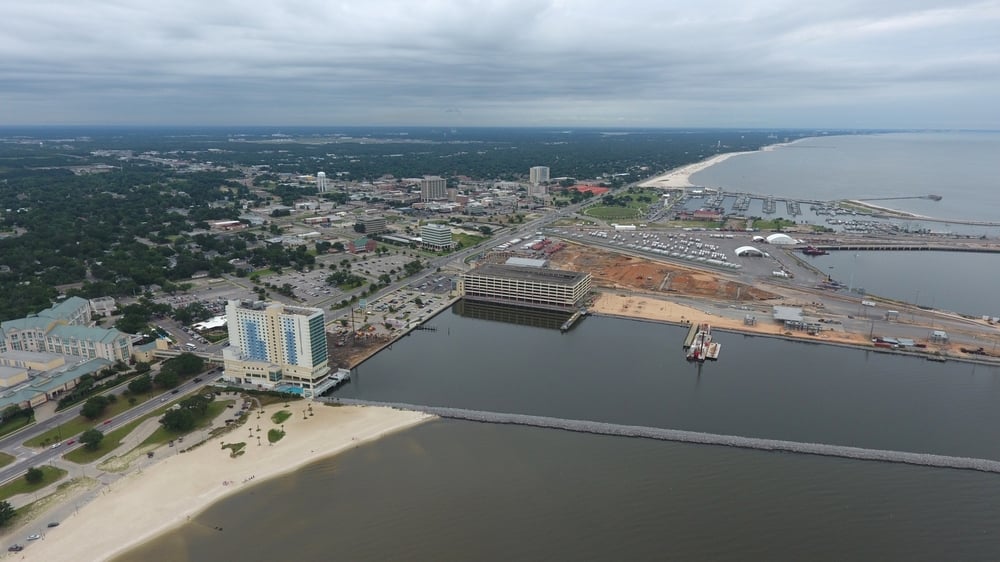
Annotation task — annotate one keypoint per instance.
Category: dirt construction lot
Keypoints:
(617, 271)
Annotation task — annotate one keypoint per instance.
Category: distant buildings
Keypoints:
(538, 174)
(362, 244)
(526, 286)
(436, 236)
(433, 188)
(277, 346)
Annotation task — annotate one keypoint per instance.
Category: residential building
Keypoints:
(433, 188)
(526, 286)
(538, 174)
(277, 346)
(436, 236)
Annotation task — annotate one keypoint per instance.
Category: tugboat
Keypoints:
(814, 251)
(702, 347)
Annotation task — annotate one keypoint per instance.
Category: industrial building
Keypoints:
(276, 346)
(526, 286)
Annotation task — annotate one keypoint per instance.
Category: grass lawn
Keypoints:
(80, 424)
(6, 459)
(111, 441)
(605, 212)
(467, 240)
(163, 435)
(772, 224)
(10, 426)
(274, 435)
(280, 416)
(19, 485)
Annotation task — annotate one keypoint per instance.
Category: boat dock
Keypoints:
(568, 324)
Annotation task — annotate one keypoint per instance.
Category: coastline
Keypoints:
(681, 177)
(144, 505)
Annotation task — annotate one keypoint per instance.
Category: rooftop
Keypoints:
(535, 274)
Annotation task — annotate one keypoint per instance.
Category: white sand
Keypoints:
(143, 505)
(681, 177)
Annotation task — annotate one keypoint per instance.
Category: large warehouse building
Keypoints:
(526, 286)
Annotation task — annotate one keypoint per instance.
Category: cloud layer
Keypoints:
(777, 63)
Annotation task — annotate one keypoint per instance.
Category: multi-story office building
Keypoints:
(538, 174)
(374, 224)
(276, 346)
(526, 286)
(433, 188)
(436, 236)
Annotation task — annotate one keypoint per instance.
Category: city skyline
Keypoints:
(776, 63)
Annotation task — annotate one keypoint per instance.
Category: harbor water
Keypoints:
(461, 490)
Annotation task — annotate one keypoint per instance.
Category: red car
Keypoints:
(71, 441)
(106, 422)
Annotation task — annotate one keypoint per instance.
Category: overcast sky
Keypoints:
(630, 63)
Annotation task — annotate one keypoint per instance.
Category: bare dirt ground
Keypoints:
(617, 271)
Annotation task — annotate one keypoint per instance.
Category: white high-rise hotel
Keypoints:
(274, 345)
(538, 174)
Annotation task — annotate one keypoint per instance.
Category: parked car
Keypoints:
(34, 537)
(53, 524)
(15, 548)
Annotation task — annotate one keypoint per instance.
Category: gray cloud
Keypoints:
(777, 63)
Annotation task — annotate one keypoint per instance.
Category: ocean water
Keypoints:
(962, 167)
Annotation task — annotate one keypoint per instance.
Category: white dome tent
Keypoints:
(779, 238)
(749, 251)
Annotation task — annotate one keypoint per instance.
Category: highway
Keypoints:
(28, 457)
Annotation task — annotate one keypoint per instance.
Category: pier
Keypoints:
(682, 436)
(908, 248)
(568, 324)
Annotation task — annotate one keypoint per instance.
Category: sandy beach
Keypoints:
(681, 177)
(144, 505)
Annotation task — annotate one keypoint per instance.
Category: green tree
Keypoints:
(91, 438)
(94, 407)
(167, 380)
(7, 512)
(34, 475)
(178, 420)
(141, 384)
(486, 230)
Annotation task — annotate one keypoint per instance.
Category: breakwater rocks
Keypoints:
(681, 436)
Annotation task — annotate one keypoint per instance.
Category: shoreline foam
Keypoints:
(143, 506)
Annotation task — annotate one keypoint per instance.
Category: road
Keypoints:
(28, 457)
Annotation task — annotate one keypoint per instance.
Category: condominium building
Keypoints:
(526, 286)
(538, 174)
(436, 236)
(276, 346)
(433, 188)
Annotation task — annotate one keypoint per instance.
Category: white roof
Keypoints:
(743, 250)
(780, 238)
